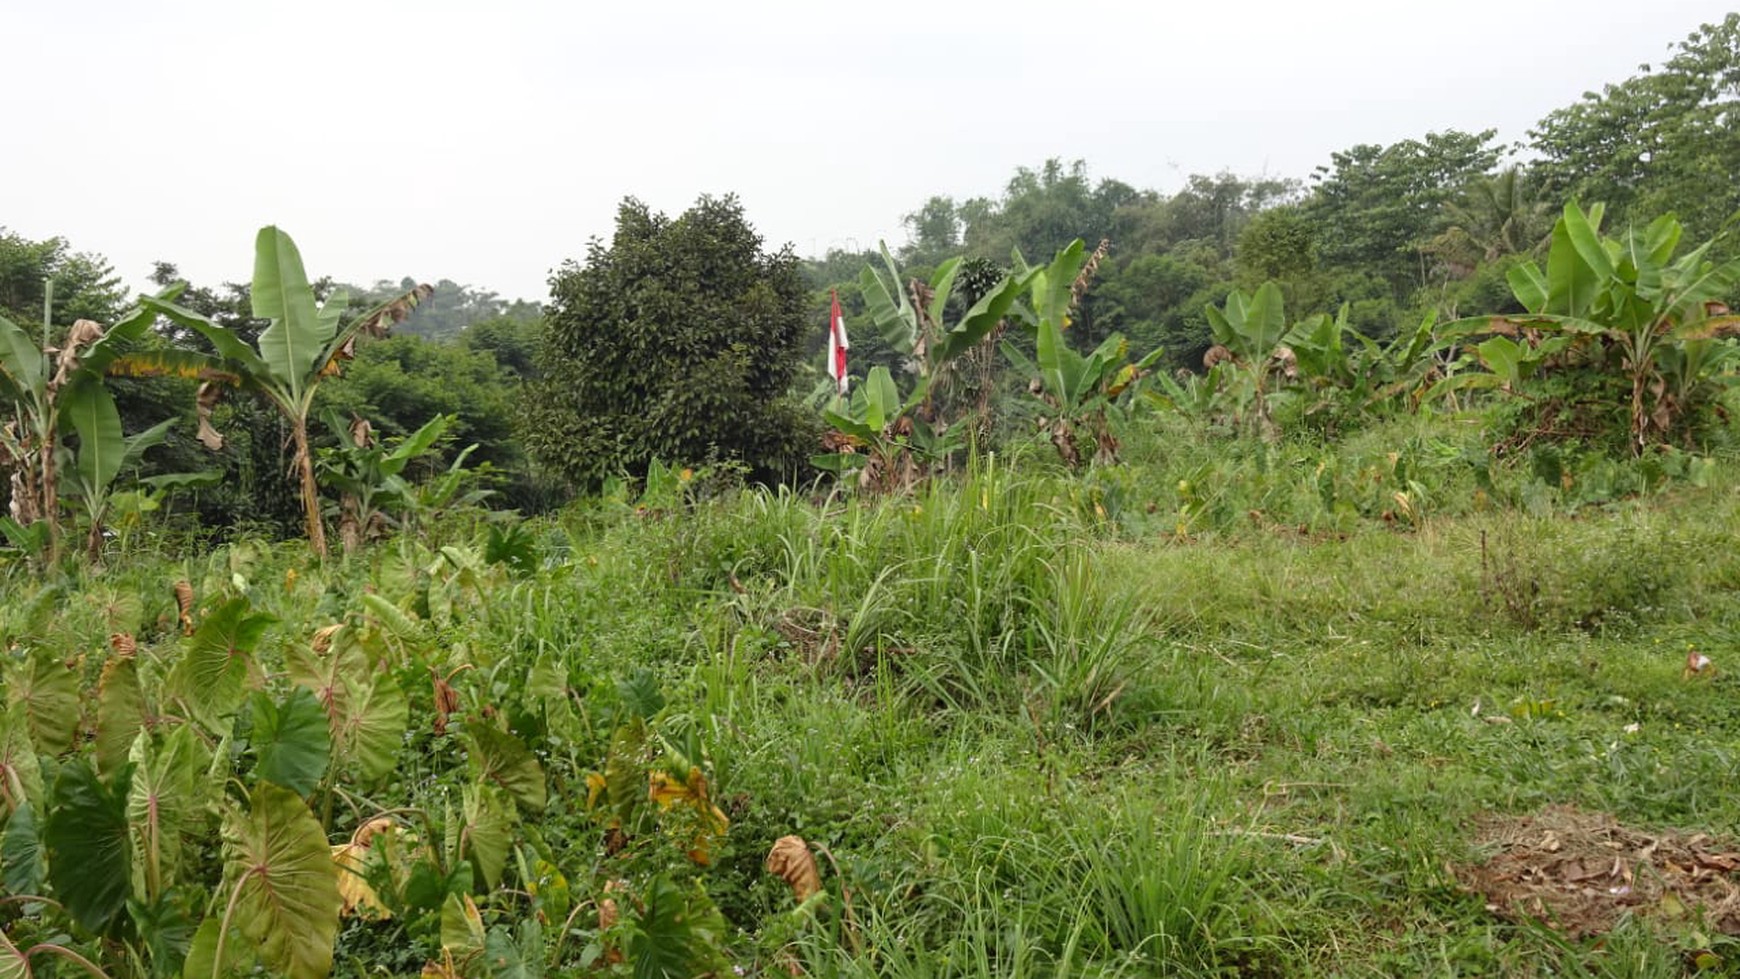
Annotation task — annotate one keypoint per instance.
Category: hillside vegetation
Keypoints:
(1262, 579)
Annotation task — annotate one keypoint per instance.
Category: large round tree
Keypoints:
(678, 341)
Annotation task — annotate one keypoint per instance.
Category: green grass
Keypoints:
(1042, 726)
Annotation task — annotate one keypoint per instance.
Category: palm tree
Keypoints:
(303, 345)
(1494, 217)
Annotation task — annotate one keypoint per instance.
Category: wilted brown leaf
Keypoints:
(122, 643)
(791, 860)
(83, 334)
(184, 605)
(377, 323)
(444, 969)
(207, 397)
(1584, 872)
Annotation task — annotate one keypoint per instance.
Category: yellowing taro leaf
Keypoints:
(691, 794)
(792, 860)
(461, 925)
(444, 969)
(595, 786)
(353, 890)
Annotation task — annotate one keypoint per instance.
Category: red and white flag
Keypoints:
(837, 345)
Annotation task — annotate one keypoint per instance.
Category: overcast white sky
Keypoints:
(486, 142)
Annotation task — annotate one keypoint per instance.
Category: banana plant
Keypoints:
(904, 436)
(1077, 389)
(1248, 333)
(1642, 313)
(43, 391)
(881, 436)
(1080, 388)
(912, 319)
(368, 475)
(304, 344)
(1190, 395)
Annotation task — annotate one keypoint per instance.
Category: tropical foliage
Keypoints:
(1084, 636)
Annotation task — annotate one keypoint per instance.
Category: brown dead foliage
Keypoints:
(184, 606)
(1582, 872)
(791, 860)
(813, 633)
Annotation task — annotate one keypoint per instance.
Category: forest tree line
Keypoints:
(1381, 234)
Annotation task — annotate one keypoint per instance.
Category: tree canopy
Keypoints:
(677, 341)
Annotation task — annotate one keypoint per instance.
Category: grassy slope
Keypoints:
(1042, 734)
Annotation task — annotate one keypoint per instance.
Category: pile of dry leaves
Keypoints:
(1581, 872)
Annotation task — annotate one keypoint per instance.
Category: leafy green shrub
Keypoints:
(679, 341)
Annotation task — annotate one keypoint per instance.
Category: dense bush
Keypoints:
(677, 341)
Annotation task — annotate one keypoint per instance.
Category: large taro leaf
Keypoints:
(322, 666)
(45, 689)
(287, 900)
(14, 964)
(89, 854)
(678, 934)
(489, 822)
(291, 740)
(20, 771)
(120, 712)
(499, 758)
(625, 769)
(213, 670)
(21, 853)
(163, 805)
(509, 958)
(371, 727)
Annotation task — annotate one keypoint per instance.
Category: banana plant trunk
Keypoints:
(310, 489)
(48, 501)
(94, 544)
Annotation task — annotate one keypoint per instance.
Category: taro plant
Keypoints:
(305, 343)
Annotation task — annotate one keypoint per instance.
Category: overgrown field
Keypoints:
(1256, 709)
